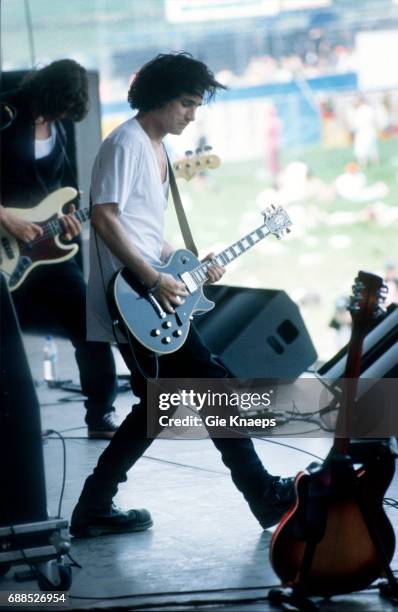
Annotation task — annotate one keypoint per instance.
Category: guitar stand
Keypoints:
(295, 599)
(361, 451)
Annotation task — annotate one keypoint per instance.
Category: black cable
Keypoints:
(300, 450)
(253, 435)
(8, 115)
(262, 439)
(195, 602)
(185, 465)
(73, 563)
(390, 503)
(32, 567)
(182, 593)
(45, 434)
(137, 363)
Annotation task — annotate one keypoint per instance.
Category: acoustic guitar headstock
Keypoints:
(194, 163)
(369, 294)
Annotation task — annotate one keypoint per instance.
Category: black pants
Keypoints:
(193, 360)
(52, 300)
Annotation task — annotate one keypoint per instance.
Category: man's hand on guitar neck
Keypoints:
(215, 272)
(71, 225)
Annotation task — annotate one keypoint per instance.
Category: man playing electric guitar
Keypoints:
(129, 194)
(35, 164)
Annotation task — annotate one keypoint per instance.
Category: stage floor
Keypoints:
(205, 549)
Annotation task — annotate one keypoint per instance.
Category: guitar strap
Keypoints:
(181, 216)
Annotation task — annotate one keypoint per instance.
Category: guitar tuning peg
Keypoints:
(188, 153)
(358, 288)
(207, 148)
(198, 151)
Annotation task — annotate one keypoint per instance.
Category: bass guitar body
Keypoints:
(136, 309)
(324, 543)
(17, 258)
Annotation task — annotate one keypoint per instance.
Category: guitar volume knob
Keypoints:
(166, 340)
(166, 324)
(177, 333)
(155, 332)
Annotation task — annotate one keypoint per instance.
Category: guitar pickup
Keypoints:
(189, 282)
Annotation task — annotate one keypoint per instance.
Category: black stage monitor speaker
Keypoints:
(256, 333)
(22, 483)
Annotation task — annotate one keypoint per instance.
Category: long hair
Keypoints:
(168, 76)
(61, 88)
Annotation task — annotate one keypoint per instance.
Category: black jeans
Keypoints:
(193, 360)
(52, 300)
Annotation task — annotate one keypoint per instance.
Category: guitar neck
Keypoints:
(235, 250)
(346, 413)
(55, 227)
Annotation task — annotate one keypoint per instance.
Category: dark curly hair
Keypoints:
(168, 76)
(61, 88)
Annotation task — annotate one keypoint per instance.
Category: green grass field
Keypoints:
(316, 261)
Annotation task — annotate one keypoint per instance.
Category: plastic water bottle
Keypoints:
(50, 361)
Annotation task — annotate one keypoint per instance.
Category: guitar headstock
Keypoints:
(369, 293)
(193, 163)
(277, 220)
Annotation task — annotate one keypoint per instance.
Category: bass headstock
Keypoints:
(368, 295)
(277, 221)
(194, 163)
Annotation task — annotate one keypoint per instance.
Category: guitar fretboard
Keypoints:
(199, 274)
(55, 227)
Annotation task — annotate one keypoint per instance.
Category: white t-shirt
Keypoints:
(44, 147)
(125, 172)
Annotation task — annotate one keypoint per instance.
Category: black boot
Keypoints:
(89, 522)
(275, 502)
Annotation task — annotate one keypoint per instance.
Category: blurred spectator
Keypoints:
(297, 183)
(391, 280)
(334, 133)
(341, 322)
(308, 64)
(352, 185)
(273, 128)
(364, 127)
